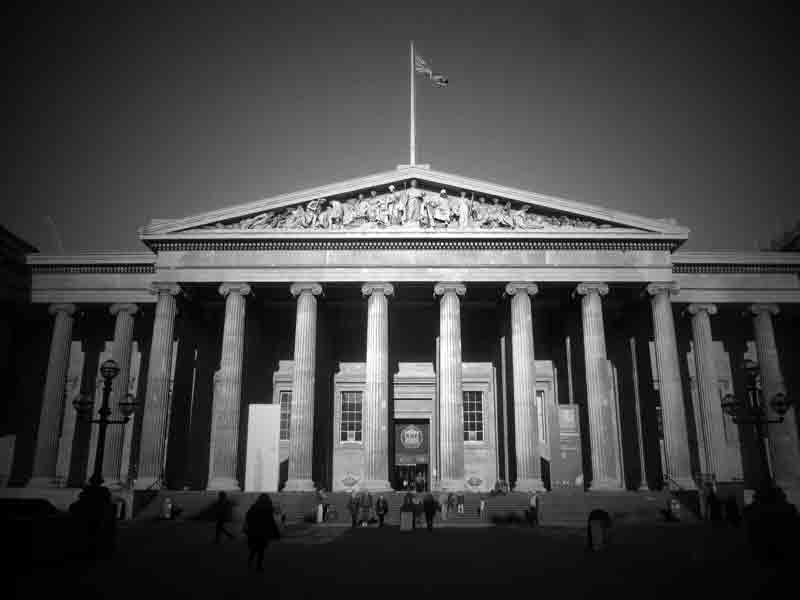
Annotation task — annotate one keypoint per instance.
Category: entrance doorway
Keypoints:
(406, 477)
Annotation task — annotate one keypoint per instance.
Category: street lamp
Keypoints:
(84, 405)
(753, 412)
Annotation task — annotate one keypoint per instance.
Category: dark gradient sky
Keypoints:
(666, 111)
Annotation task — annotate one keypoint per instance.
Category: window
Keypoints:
(351, 417)
(473, 416)
(541, 416)
(286, 414)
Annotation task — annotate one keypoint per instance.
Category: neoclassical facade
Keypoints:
(408, 322)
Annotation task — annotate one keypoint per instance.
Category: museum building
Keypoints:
(409, 322)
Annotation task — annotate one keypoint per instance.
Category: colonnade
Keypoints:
(604, 434)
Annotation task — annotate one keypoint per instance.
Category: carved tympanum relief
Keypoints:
(412, 208)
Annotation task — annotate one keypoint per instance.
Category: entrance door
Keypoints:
(406, 477)
(412, 454)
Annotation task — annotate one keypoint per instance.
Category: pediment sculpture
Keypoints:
(412, 208)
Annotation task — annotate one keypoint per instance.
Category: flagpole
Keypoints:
(413, 140)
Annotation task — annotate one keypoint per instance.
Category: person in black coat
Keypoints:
(429, 507)
(260, 528)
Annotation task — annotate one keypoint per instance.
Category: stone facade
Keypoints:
(421, 297)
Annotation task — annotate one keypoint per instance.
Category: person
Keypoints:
(381, 508)
(322, 498)
(533, 509)
(95, 513)
(460, 501)
(352, 506)
(443, 505)
(451, 502)
(260, 528)
(418, 509)
(364, 508)
(482, 508)
(420, 482)
(429, 506)
(223, 510)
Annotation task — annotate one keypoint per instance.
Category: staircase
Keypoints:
(571, 508)
(200, 504)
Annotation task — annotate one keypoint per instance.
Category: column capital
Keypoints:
(694, 309)
(240, 288)
(666, 287)
(387, 289)
(127, 307)
(522, 287)
(305, 287)
(442, 288)
(162, 288)
(64, 307)
(760, 307)
(591, 287)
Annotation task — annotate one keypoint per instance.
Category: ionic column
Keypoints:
(526, 423)
(115, 435)
(451, 401)
(603, 423)
(159, 370)
(710, 419)
(301, 442)
(782, 436)
(223, 456)
(376, 405)
(46, 457)
(677, 468)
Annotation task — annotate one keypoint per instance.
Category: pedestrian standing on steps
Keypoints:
(223, 513)
(260, 528)
(443, 506)
(352, 506)
(381, 508)
(460, 501)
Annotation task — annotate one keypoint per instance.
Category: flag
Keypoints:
(422, 66)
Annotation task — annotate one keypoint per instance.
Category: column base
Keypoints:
(375, 485)
(147, 483)
(676, 485)
(45, 482)
(223, 484)
(529, 485)
(299, 485)
(452, 485)
(643, 487)
(606, 485)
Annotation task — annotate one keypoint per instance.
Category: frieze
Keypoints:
(77, 268)
(201, 245)
(729, 268)
(412, 208)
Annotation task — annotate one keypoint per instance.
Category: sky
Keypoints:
(665, 110)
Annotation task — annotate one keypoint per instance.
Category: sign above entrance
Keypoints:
(412, 446)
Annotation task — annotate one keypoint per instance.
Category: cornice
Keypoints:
(93, 263)
(735, 262)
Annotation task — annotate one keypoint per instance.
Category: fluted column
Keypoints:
(115, 435)
(301, 436)
(782, 436)
(710, 419)
(376, 405)
(451, 401)
(46, 457)
(526, 423)
(677, 468)
(159, 370)
(603, 423)
(223, 455)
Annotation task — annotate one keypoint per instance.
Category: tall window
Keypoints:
(541, 416)
(286, 414)
(473, 416)
(351, 417)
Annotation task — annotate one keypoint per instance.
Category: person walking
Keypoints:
(260, 528)
(223, 513)
(352, 506)
(429, 507)
(381, 508)
(443, 505)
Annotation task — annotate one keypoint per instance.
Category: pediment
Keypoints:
(410, 201)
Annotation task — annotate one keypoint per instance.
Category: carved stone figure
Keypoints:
(414, 199)
(463, 210)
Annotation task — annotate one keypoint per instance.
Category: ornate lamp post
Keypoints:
(752, 411)
(84, 404)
